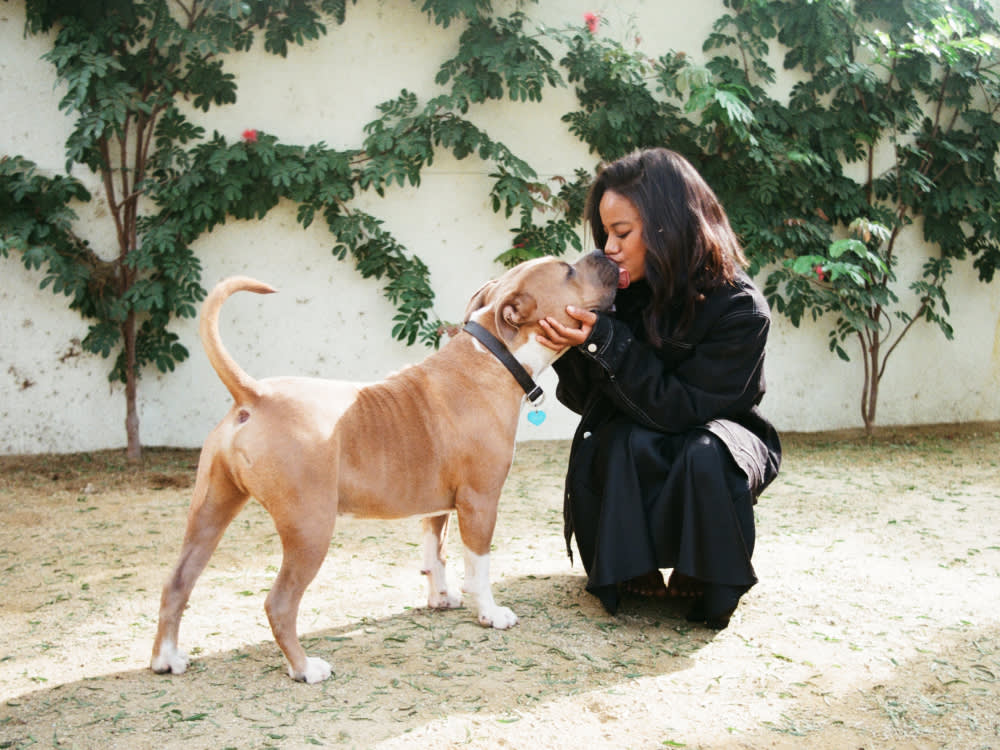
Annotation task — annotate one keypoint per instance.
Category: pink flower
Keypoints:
(593, 20)
(250, 135)
(820, 274)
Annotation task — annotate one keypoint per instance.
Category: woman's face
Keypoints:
(625, 245)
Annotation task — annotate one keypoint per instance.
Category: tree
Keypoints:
(126, 66)
(912, 86)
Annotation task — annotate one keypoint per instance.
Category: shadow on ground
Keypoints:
(391, 674)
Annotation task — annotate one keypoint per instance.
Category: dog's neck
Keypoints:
(533, 356)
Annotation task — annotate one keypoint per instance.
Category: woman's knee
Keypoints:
(708, 460)
(704, 453)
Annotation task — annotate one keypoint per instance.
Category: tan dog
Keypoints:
(432, 438)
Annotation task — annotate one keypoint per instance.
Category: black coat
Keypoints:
(639, 407)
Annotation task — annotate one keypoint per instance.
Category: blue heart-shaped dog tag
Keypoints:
(536, 416)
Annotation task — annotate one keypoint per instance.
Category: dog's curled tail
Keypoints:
(240, 384)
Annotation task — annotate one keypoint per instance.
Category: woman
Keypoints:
(671, 451)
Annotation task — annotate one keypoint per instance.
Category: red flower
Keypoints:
(250, 135)
(592, 20)
(820, 274)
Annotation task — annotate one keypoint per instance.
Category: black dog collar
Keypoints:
(502, 353)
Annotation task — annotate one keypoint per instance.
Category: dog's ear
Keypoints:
(479, 299)
(513, 311)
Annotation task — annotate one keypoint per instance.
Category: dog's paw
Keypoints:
(316, 670)
(444, 600)
(169, 659)
(500, 618)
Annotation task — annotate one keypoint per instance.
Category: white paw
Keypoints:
(500, 618)
(169, 659)
(444, 600)
(316, 670)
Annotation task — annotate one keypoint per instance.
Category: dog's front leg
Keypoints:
(476, 521)
(477, 584)
(435, 566)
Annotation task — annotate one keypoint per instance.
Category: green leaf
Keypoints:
(838, 248)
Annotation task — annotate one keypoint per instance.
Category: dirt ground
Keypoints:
(875, 623)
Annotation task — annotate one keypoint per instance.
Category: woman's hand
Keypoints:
(558, 337)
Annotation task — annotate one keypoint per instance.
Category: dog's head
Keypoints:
(512, 305)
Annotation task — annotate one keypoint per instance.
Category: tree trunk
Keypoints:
(870, 399)
(134, 450)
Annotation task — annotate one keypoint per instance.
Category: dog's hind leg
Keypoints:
(476, 526)
(213, 506)
(304, 543)
(435, 566)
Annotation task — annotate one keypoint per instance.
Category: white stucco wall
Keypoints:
(329, 322)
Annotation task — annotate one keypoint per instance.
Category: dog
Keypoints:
(434, 437)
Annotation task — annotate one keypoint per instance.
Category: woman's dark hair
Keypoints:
(690, 247)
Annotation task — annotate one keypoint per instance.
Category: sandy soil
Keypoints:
(875, 625)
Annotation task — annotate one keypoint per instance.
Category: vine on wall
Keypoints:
(911, 85)
(917, 82)
(127, 64)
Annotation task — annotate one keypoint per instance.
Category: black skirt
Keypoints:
(639, 500)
